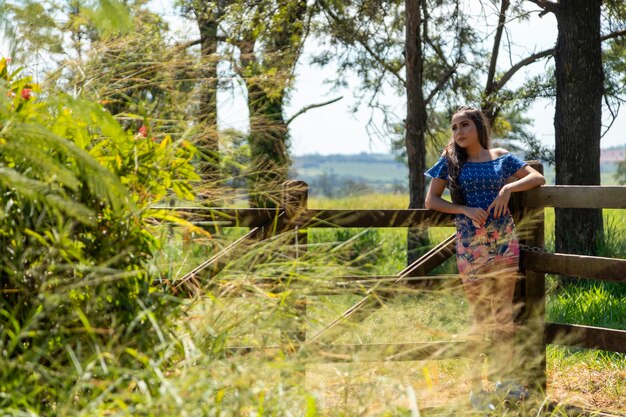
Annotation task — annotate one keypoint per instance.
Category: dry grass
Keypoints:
(371, 386)
(587, 386)
(441, 387)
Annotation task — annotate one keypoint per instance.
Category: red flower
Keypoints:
(143, 131)
(26, 93)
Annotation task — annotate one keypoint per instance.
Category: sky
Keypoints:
(335, 129)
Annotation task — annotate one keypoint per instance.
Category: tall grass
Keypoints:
(589, 303)
(252, 302)
(232, 349)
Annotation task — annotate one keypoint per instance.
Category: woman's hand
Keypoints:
(477, 215)
(500, 204)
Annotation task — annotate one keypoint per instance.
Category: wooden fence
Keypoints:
(296, 218)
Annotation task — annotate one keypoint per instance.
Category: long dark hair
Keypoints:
(457, 156)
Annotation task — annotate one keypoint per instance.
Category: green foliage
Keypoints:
(74, 286)
(620, 174)
(598, 304)
(34, 27)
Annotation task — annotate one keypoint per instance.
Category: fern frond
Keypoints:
(47, 194)
(101, 182)
(40, 162)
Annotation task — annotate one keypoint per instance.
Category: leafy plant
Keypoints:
(76, 191)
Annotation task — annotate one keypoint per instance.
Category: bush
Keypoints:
(77, 299)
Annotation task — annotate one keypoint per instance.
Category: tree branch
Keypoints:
(526, 61)
(184, 45)
(440, 84)
(496, 47)
(309, 107)
(547, 6)
(358, 37)
(536, 57)
(613, 35)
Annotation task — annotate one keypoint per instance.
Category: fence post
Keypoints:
(533, 294)
(295, 195)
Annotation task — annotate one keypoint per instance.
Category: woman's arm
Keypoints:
(528, 178)
(434, 201)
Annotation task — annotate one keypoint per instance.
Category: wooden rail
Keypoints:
(254, 217)
(593, 267)
(586, 336)
(575, 196)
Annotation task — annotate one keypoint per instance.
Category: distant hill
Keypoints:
(338, 175)
(334, 175)
(371, 167)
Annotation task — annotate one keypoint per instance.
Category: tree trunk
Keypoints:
(268, 81)
(578, 119)
(489, 106)
(207, 140)
(417, 238)
(268, 145)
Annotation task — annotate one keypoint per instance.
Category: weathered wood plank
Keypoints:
(435, 257)
(355, 314)
(189, 283)
(378, 218)
(533, 314)
(595, 267)
(355, 284)
(575, 196)
(586, 336)
(227, 217)
(386, 286)
(383, 352)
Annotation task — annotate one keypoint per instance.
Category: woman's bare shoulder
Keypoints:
(498, 152)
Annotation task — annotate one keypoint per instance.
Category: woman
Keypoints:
(481, 181)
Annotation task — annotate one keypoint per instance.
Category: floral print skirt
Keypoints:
(489, 250)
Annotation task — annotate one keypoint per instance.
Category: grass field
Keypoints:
(593, 379)
(586, 378)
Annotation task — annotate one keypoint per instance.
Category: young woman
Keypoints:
(481, 181)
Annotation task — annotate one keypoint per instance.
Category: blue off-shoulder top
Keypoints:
(480, 181)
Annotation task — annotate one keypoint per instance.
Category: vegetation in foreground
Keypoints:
(91, 324)
(257, 313)
(93, 329)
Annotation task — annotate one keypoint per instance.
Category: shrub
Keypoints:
(76, 297)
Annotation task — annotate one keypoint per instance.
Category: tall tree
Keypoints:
(207, 15)
(416, 117)
(416, 120)
(269, 36)
(578, 118)
(419, 48)
(503, 105)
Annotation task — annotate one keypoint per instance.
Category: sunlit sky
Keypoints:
(335, 129)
